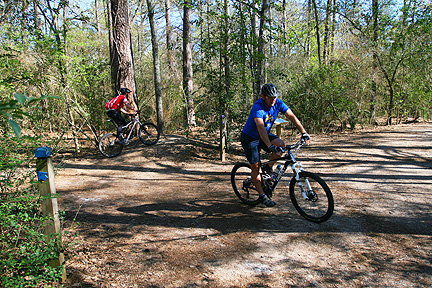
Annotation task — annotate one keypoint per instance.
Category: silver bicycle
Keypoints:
(148, 133)
(309, 194)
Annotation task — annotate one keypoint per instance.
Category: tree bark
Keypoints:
(260, 76)
(169, 44)
(122, 65)
(317, 30)
(327, 24)
(375, 61)
(156, 66)
(97, 16)
(187, 64)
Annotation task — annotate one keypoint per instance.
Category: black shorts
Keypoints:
(253, 146)
(116, 116)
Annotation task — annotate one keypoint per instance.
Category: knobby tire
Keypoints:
(243, 188)
(149, 134)
(108, 145)
(318, 208)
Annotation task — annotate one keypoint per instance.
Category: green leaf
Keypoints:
(15, 127)
(42, 98)
(20, 97)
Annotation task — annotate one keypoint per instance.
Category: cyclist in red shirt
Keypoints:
(115, 106)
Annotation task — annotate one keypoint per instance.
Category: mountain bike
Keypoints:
(148, 133)
(309, 194)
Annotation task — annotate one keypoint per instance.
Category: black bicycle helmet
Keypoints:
(124, 91)
(270, 90)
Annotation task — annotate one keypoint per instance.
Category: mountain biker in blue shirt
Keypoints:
(256, 133)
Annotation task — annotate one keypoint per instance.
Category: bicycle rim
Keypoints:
(149, 134)
(315, 205)
(108, 145)
(242, 184)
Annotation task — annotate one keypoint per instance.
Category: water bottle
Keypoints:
(277, 171)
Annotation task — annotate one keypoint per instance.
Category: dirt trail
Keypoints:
(166, 216)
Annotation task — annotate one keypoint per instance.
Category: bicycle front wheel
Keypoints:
(242, 184)
(108, 145)
(149, 134)
(311, 197)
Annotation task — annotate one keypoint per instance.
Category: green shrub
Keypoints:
(24, 252)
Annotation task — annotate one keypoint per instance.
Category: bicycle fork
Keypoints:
(307, 193)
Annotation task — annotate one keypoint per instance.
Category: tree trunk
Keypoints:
(156, 66)
(225, 55)
(254, 61)
(37, 20)
(187, 64)
(169, 43)
(286, 47)
(260, 76)
(243, 50)
(97, 16)
(328, 17)
(333, 27)
(375, 61)
(122, 66)
(310, 28)
(317, 30)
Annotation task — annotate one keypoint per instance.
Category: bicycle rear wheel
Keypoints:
(108, 145)
(149, 134)
(311, 197)
(242, 184)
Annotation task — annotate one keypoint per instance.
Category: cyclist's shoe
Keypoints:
(120, 141)
(267, 201)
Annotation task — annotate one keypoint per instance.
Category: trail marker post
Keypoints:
(45, 173)
(223, 133)
(279, 123)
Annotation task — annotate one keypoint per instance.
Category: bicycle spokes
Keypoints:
(246, 183)
(311, 197)
(308, 193)
(242, 184)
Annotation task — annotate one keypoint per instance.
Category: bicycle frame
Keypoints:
(296, 167)
(110, 146)
(133, 122)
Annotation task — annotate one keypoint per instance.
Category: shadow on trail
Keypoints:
(230, 216)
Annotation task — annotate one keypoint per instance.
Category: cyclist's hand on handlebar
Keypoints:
(305, 137)
(135, 112)
(276, 149)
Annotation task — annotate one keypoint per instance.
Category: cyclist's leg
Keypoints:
(275, 140)
(252, 151)
(119, 120)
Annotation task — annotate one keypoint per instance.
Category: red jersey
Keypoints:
(116, 102)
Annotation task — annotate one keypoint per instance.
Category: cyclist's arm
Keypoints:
(127, 105)
(290, 115)
(262, 131)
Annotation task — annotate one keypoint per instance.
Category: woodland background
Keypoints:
(337, 63)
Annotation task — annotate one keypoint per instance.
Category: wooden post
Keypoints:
(45, 172)
(278, 130)
(223, 133)
(279, 123)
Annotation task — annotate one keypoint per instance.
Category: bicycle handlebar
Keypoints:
(294, 146)
(135, 113)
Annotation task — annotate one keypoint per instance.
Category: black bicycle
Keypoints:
(148, 133)
(309, 194)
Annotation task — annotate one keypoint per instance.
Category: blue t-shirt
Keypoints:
(269, 115)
